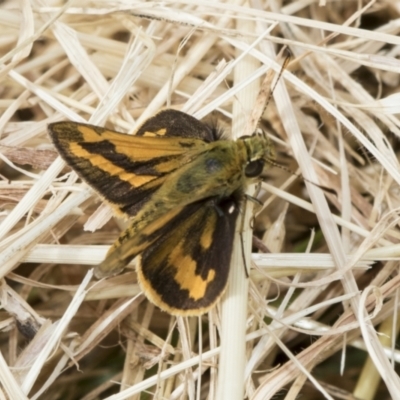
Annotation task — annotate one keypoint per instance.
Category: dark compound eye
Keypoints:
(254, 168)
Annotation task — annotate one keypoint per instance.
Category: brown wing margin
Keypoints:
(186, 270)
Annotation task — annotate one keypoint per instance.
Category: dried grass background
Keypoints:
(318, 316)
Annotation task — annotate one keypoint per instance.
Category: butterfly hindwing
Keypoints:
(186, 270)
(174, 123)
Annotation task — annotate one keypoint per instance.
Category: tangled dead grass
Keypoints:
(323, 302)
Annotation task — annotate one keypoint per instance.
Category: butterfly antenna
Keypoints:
(271, 92)
(291, 172)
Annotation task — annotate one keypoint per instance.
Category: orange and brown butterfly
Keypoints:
(182, 185)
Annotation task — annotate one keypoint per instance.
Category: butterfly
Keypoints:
(182, 185)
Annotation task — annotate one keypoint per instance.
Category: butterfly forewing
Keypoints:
(124, 169)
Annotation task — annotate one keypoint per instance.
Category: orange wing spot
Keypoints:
(139, 148)
(102, 163)
(161, 132)
(89, 134)
(186, 275)
(206, 238)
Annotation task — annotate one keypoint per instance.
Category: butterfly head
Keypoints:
(259, 151)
